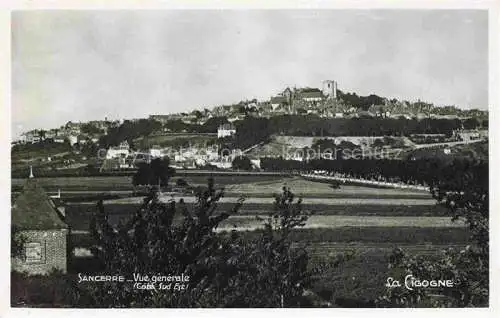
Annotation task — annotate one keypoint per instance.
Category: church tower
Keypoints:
(330, 89)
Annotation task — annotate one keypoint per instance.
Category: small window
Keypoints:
(33, 252)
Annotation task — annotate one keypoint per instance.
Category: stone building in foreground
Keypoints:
(43, 230)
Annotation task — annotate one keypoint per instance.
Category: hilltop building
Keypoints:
(309, 95)
(44, 232)
(330, 89)
(306, 97)
(277, 102)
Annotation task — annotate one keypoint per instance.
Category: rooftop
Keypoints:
(278, 99)
(311, 94)
(34, 209)
(227, 126)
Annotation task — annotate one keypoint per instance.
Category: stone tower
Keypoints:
(330, 89)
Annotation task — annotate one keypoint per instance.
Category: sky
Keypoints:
(88, 65)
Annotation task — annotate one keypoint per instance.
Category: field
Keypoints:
(364, 223)
(113, 183)
(312, 189)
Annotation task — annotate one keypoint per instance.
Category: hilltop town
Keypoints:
(254, 128)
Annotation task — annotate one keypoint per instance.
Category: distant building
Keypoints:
(165, 118)
(31, 137)
(43, 229)
(155, 152)
(235, 118)
(469, 135)
(99, 124)
(188, 118)
(330, 89)
(51, 134)
(277, 101)
(226, 130)
(123, 150)
(310, 95)
(73, 139)
(73, 128)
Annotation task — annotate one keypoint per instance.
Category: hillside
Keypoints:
(283, 145)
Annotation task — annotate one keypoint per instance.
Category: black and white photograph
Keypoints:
(249, 158)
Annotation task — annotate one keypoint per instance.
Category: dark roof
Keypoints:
(309, 90)
(278, 100)
(34, 209)
(227, 126)
(311, 94)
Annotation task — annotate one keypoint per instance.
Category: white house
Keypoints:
(155, 152)
(31, 137)
(255, 163)
(123, 150)
(226, 130)
(72, 139)
(311, 96)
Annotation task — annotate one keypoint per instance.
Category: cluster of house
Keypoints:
(326, 103)
(471, 135)
(70, 132)
(122, 156)
(323, 102)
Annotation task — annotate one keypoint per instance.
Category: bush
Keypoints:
(224, 269)
(242, 163)
(181, 183)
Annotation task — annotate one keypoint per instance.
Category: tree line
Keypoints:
(252, 130)
(421, 171)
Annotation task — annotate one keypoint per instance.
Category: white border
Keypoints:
(5, 131)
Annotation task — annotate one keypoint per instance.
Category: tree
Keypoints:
(471, 123)
(197, 114)
(301, 111)
(225, 269)
(181, 183)
(154, 173)
(90, 129)
(463, 187)
(270, 272)
(242, 163)
(42, 133)
(17, 241)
